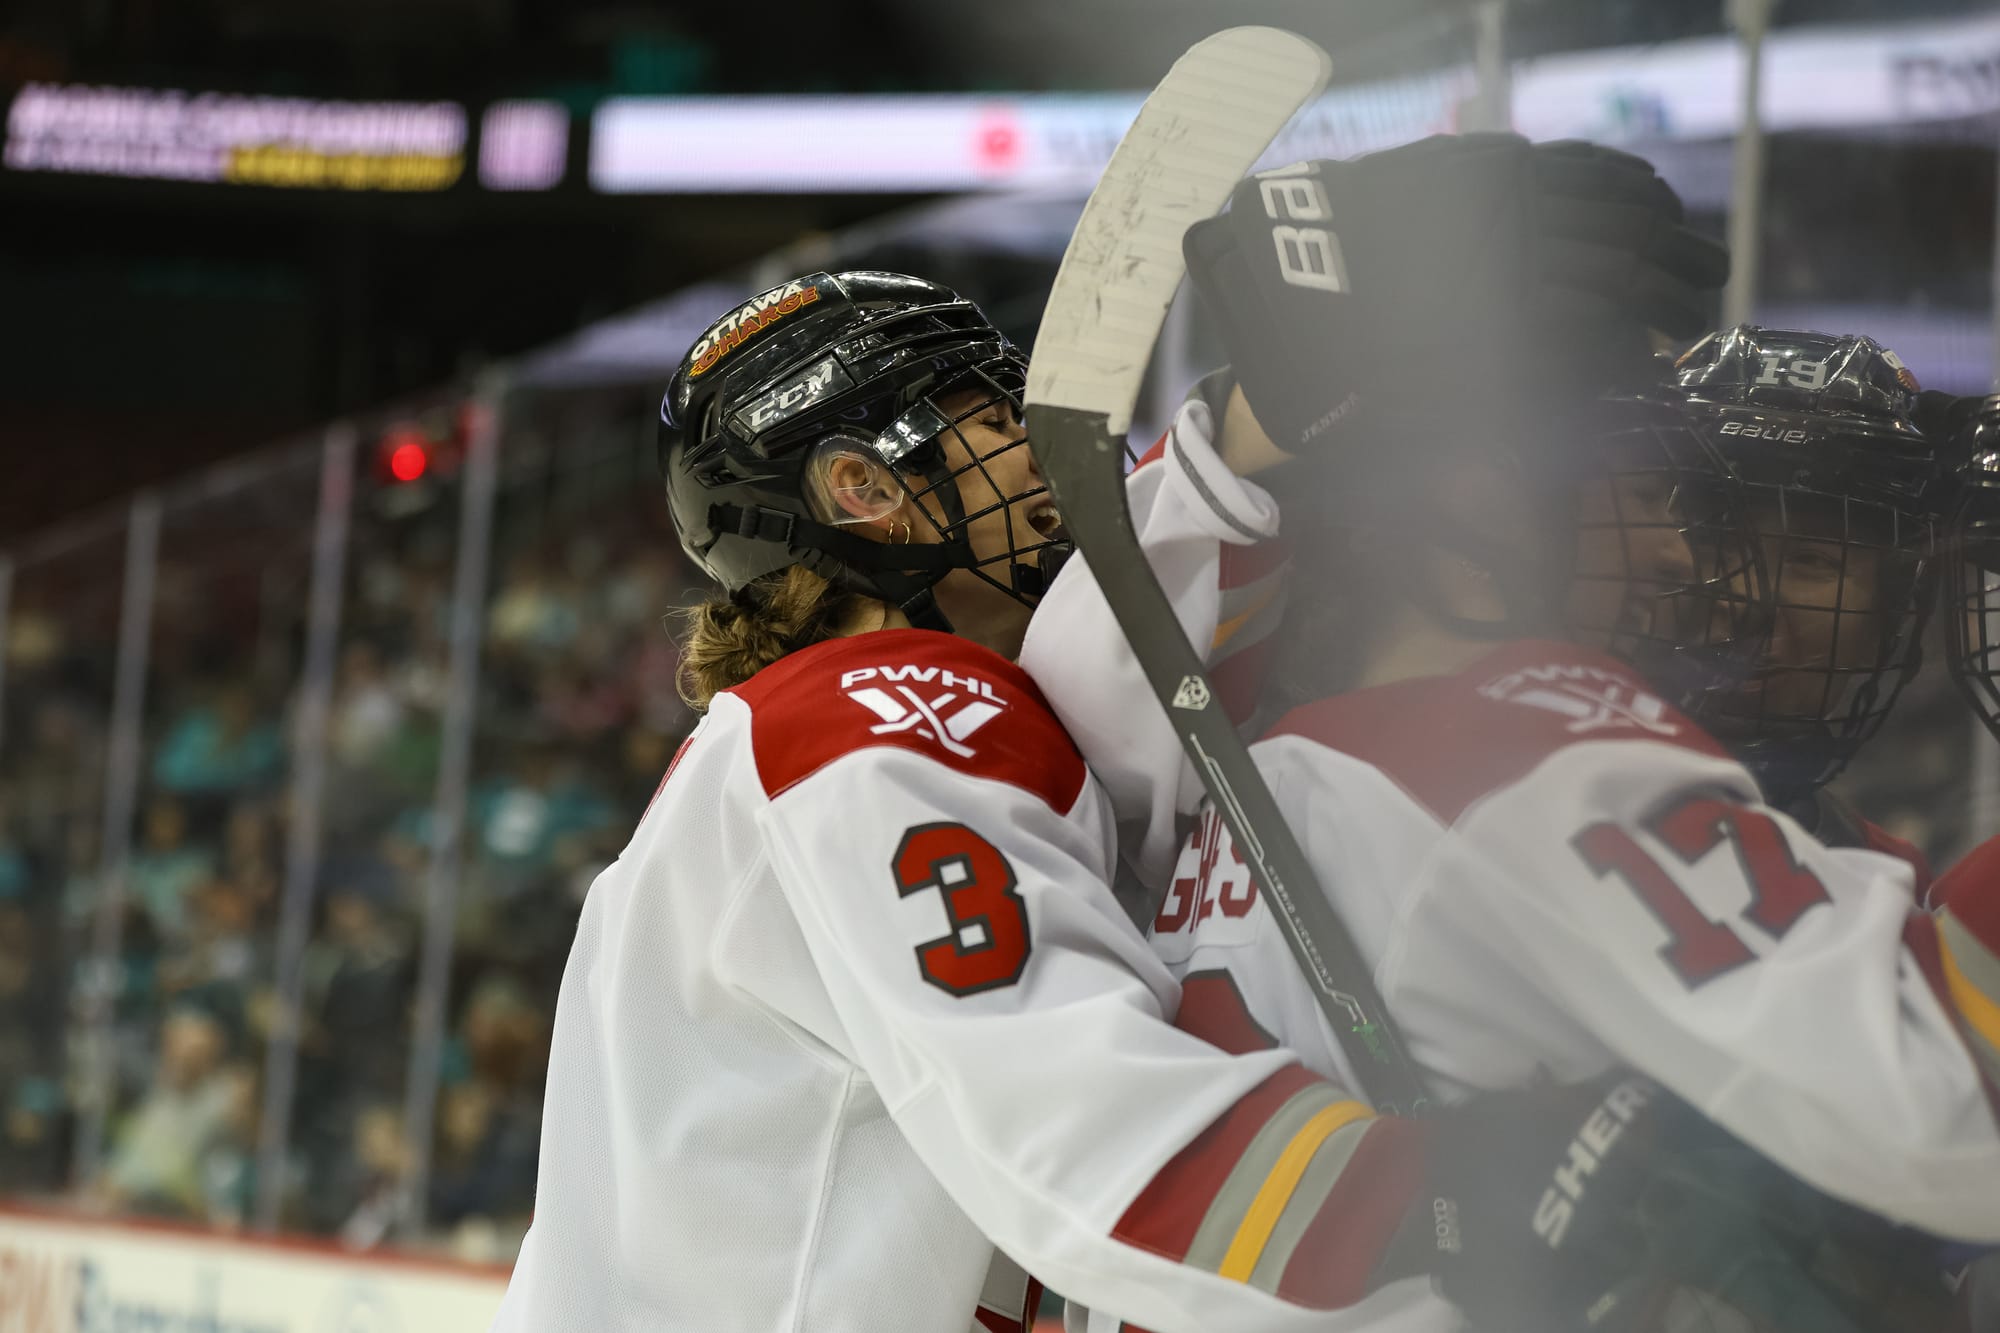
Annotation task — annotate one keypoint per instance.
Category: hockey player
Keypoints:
(855, 1007)
(805, 1041)
(1557, 873)
(794, 1076)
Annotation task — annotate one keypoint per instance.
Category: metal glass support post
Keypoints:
(1491, 106)
(302, 840)
(1751, 19)
(468, 606)
(122, 764)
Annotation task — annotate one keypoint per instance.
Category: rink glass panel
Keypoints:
(58, 648)
(576, 722)
(346, 1146)
(211, 817)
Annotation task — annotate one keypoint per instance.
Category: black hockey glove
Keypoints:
(1596, 1207)
(1461, 267)
(1535, 1208)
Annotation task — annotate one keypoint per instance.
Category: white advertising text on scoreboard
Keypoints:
(221, 138)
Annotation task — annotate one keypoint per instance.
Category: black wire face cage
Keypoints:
(1665, 571)
(1851, 580)
(961, 453)
(1972, 604)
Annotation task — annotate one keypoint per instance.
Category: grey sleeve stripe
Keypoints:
(1986, 1056)
(1208, 496)
(1226, 1210)
(1322, 1174)
(1979, 966)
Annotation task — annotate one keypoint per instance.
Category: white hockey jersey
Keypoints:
(1554, 873)
(855, 1006)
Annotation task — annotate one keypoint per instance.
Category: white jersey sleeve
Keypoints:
(1206, 534)
(1554, 873)
(949, 881)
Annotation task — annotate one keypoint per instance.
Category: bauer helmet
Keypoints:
(1844, 494)
(862, 362)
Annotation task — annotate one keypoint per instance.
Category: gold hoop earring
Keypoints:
(903, 540)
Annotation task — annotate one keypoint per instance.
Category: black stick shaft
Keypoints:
(1083, 462)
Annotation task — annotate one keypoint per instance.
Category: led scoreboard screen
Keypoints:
(226, 138)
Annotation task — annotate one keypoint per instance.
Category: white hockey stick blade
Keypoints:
(1199, 133)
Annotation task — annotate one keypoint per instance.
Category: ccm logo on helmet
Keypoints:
(1757, 431)
(759, 312)
(1586, 1152)
(824, 378)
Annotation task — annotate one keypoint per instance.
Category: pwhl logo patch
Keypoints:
(1590, 697)
(936, 704)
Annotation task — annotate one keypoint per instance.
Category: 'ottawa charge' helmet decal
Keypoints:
(867, 359)
(749, 319)
(1845, 493)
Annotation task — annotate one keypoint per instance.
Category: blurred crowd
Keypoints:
(576, 719)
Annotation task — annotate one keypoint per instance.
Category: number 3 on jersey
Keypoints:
(1699, 949)
(988, 944)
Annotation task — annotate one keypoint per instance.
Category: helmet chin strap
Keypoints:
(1035, 580)
(905, 576)
(915, 594)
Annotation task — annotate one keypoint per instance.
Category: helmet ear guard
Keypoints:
(870, 494)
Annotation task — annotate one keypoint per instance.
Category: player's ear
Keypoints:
(858, 488)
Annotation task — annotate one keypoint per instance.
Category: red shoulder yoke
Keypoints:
(937, 695)
(1449, 740)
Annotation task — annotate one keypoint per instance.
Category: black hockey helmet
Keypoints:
(862, 361)
(1845, 494)
(1972, 565)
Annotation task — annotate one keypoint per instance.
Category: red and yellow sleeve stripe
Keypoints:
(1969, 954)
(1972, 973)
(1296, 1189)
(1958, 949)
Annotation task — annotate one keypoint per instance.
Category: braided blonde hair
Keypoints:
(730, 637)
